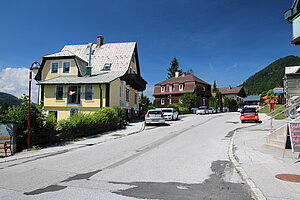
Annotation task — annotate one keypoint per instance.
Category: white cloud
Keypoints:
(15, 81)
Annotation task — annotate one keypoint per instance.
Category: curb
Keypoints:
(70, 148)
(256, 191)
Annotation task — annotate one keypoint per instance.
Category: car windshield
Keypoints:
(210, 108)
(167, 110)
(249, 110)
(202, 108)
(156, 112)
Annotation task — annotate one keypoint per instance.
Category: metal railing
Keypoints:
(287, 108)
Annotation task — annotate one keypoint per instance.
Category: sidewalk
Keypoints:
(131, 128)
(259, 164)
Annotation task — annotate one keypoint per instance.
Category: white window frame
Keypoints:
(54, 62)
(63, 67)
(170, 88)
(162, 102)
(170, 100)
(181, 87)
(163, 88)
(203, 101)
(203, 89)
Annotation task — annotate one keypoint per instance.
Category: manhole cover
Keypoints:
(289, 177)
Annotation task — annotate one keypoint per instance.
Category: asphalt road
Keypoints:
(186, 159)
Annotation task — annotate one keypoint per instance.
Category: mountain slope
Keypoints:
(270, 77)
(8, 99)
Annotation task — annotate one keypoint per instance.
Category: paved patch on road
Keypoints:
(215, 187)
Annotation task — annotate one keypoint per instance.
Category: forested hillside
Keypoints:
(270, 77)
(8, 99)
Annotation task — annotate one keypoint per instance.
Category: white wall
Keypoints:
(296, 28)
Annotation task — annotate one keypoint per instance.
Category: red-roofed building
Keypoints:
(170, 90)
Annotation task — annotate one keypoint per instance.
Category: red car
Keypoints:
(249, 114)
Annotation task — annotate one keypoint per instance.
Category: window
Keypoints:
(170, 100)
(88, 92)
(204, 102)
(106, 67)
(180, 87)
(163, 88)
(162, 102)
(127, 94)
(74, 95)
(135, 98)
(170, 88)
(54, 67)
(66, 67)
(59, 94)
(73, 111)
(203, 89)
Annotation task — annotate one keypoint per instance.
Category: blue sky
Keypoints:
(222, 40)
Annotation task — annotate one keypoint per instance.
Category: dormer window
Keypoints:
(54, 67)
(106, 67)
(163, 88)
(181, 87)
(66, 67)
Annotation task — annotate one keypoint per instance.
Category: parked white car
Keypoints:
(169, 113)
(202, 111)
(154, 117)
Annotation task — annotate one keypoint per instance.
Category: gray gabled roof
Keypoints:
(119, 55)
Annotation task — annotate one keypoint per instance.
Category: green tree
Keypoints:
(174, 68)
(144, 100)
(212, 102)
(219, 100)
(18, 115)
(215, 89)
(189, 100)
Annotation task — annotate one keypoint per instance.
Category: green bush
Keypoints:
(51, 122)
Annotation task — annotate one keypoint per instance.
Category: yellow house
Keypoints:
(85, 78)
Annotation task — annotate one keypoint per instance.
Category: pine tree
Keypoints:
(174, 68)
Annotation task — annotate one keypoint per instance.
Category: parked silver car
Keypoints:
(154, 117)
(170, 113)
(212, 110)
(202, 111)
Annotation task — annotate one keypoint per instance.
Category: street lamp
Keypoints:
(35, 66)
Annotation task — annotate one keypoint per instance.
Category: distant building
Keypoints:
(238, 93)
(292, 16)
(252, 100)
(292, 83)
(170, 90)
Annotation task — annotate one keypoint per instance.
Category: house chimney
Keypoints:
(100, 40)
(88, 67)
(176, 74)
(183, 74)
